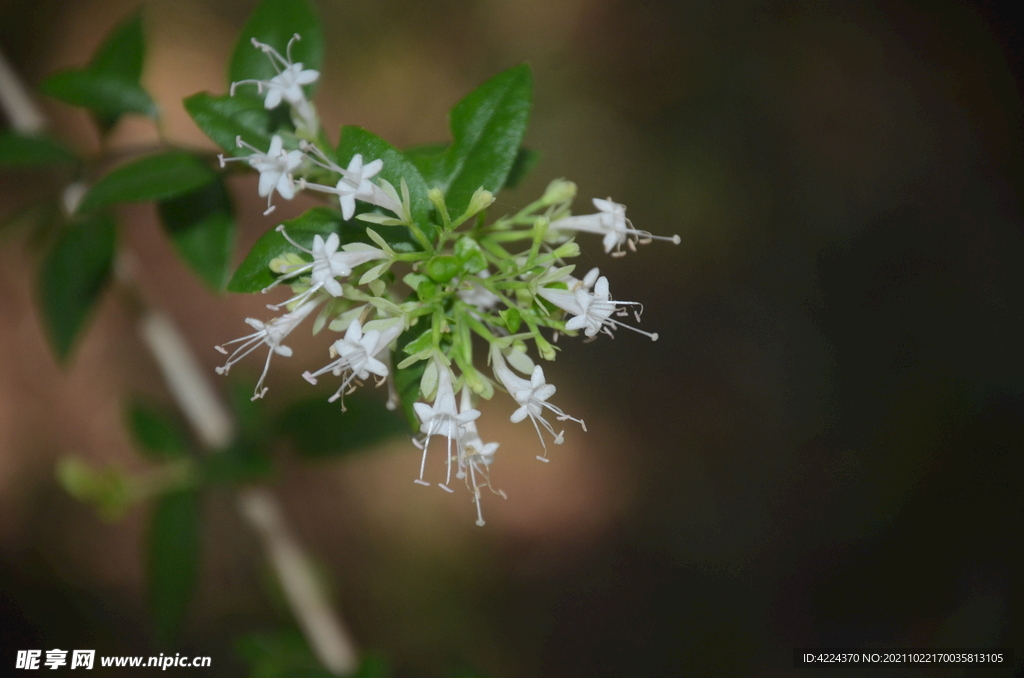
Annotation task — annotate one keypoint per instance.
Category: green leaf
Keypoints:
(274, 22)
(396, 167)
(17, 150)
(106, 95)
(429, 159)
(109, 85)
(245, 461)
(254, 273)
(202, 229)
(154, 177)
(407, 380)
(72, 276)
(174, 551)
(318, 428)
(524, 163)
(225, 118)
(487, 129)
(156, 432)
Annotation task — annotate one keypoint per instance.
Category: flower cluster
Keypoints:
(419, 306)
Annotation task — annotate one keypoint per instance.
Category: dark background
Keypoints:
(823, 448)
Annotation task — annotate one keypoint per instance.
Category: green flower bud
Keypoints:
(443, 268)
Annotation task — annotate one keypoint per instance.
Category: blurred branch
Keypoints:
(24, 116)
(215, 428)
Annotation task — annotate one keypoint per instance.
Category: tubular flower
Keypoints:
(476, 457)
(271, 333)
(354, 184)
(275, 168)
(592, 311)
(357, 353)
(287, 84)
(610, 221)
(328, 263)
(532, 396)
(443, 419)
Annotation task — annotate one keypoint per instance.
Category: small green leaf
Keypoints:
(109, 85)
(106, 95)
(225, 118)
(72, 277)
(524, 163)
(319, 428)
(396, 168)
(174, 551)
(155, 432)
(487, 129)
(17, 150)
(202, 229)
(254, 272)
(273, 23)
(154, 177)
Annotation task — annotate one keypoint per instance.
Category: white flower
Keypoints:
(592, 311)
(443, 419)
(357, 353)
(271, 333)
(275, 168)
(287, 84)
(610, 221)
(476, 457)
(327, 265)
(531, 396)
(355, 183)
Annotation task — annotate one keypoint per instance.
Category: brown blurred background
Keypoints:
(823, 449)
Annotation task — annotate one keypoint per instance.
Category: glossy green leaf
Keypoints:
(202, 228)
(154, 177)
(72, 277)
(407, 380)
(156, 432)
(487, 129)
(17, 150)
(254, 273)
(274, 22)
(109, 85)
(225, 118)
(396, 168)
(318, 428)
(524, 163)
(174, 550)
(429, 159)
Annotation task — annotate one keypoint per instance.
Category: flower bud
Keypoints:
(559, 190)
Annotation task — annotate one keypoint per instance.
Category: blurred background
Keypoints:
(823, 448)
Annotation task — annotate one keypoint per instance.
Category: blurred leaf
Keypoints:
(105, 488)
(156, 432)
(373, 666)
(202, 229)
(225, 118)
(396, 167)
(318, 428)
(174, 550)
(254, 273)
(249, 413)
(36, 219)
(274, 22)
(154, 177)
(244, 462)
(109, 85)
(524, 163)
(487, 129)
(407, 381)
(72, 276)
(17, 150)
(107, 95)
(275, 655)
